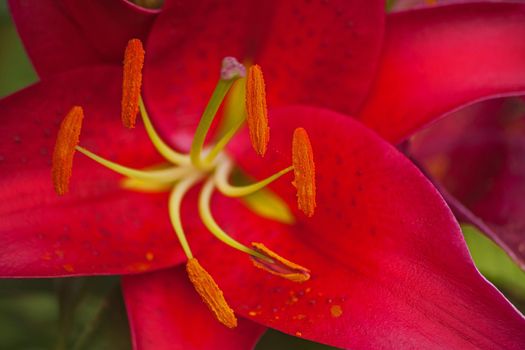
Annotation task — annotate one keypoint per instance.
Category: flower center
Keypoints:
(207, 164)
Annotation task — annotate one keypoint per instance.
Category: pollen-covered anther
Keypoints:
(304, 171)
(67, 140)
(210, 293)
(277, 265)
(132, 82)
(256, 110)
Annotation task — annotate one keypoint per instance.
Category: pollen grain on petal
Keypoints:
(279, 266)
(132, 81)
(210, 293)
(256, 110)
(304, 171)
(67, 140)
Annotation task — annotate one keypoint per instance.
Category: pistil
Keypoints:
(229, 73)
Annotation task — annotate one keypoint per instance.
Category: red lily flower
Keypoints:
(413, 97)
(389, 266)
(476, 155)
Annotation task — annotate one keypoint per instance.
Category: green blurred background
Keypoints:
(88, 313)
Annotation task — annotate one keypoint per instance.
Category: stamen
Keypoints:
(211, 224)
(67, 140)
(175, 203)
(222, 88)
(279, 266)
(304, 171)
(223, 172)
(261, 256)
(210, 293)
(257, 112)
(133, 62)
(144, 186)
(164, 150)
(163, 176)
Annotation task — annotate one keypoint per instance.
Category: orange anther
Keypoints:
(304, 171)
(133, 62)
(256, 110)
(277, 265)
(210, 293)
(67, 140)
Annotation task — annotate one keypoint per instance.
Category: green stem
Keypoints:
(94, 323)
(70, 293)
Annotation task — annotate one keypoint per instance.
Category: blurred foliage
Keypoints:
(88, 313)
(16, 71)
(274, 340)
(69, 313)
(151, 4)
(496, 266)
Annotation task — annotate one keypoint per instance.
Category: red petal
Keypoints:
(477, 154)
(436, 60)
(303, 47)
(98, 228)
(165, 312)
(60, 35)
(389, 265)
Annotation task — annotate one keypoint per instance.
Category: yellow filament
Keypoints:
(168, 175)
(211, 224)
(175, 202)
(164, 150)
(224, 170)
